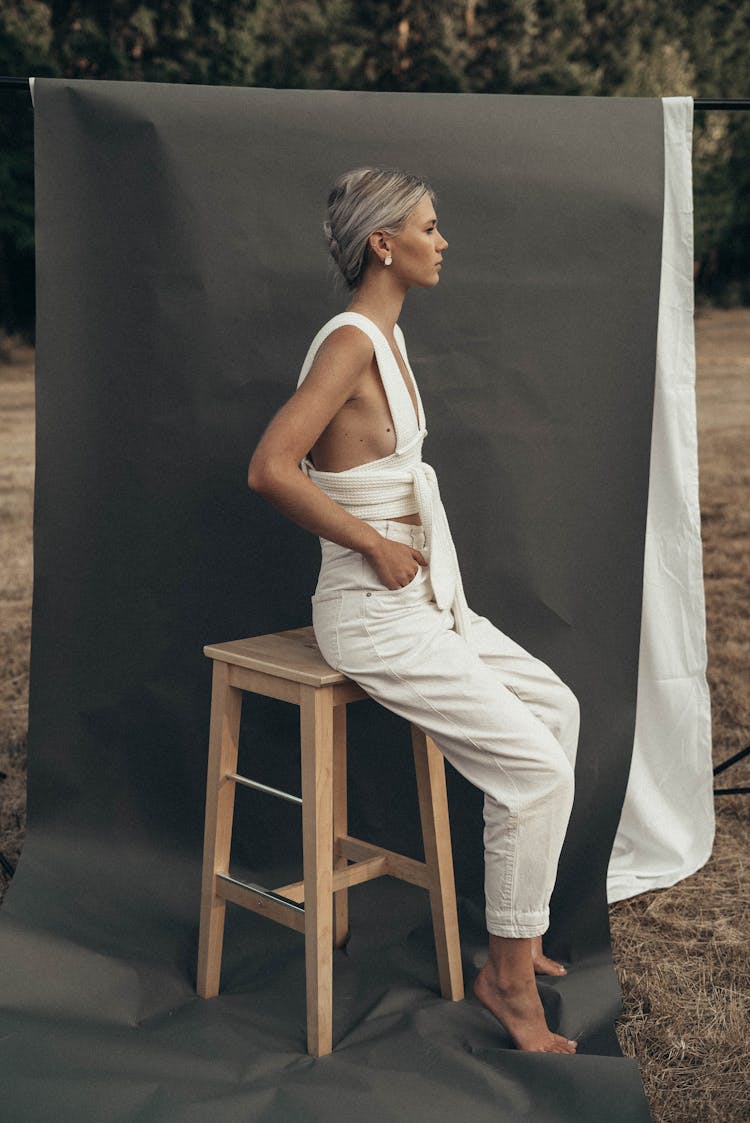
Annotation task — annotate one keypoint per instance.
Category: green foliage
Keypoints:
(177, 41)
(404, 45)
(722, 233)
(302, 44)
(604, 48)
(25, 48)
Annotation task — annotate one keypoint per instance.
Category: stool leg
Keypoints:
(226, 707)
(341, 896)
(316, 721)
(433, 809)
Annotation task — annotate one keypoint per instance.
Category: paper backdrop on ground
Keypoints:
(181, 273)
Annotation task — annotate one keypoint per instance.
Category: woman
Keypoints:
(389, 608)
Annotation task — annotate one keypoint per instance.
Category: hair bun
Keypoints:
(332, 242)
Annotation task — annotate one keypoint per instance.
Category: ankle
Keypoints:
(507, 979)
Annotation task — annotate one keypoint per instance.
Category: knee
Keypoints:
(559, 786)
(562, 778)
(546, 786)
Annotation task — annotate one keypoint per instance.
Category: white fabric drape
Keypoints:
(666, 828)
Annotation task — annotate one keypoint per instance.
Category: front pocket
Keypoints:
(402, 588)
(413, 589)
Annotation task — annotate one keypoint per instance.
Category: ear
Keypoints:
(379, 243)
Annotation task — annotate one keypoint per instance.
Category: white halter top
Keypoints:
(400, 483)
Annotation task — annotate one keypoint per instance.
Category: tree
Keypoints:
(206, 41)
(607, 48)
(25, 46)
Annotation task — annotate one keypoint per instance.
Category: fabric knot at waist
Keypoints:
(403, 484)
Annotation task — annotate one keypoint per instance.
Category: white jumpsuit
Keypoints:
(501, 717)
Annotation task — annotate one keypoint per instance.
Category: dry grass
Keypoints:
(16, 578)
(681, 954)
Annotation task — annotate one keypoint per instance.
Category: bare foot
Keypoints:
(517, 1005)
(543, 965)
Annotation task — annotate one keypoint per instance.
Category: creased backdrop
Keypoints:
(181, 274)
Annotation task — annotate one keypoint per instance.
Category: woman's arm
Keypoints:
(274, 472)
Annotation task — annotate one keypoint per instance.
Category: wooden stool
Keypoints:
(289, 666)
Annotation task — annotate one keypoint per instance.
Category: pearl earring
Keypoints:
(388, 260)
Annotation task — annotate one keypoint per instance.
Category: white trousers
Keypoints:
(501, 717)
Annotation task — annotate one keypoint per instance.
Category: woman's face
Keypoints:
(418, 248)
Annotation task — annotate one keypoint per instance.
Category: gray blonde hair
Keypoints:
(363, 200)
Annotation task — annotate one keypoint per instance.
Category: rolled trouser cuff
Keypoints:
(520, 927)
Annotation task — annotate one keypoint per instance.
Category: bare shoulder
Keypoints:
(347, 343)
(341, 361)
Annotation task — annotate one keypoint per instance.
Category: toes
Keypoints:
(563, 1044)
(545, 966)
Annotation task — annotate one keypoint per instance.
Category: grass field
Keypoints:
(682, 954)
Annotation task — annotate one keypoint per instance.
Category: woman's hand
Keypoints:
(395, 563)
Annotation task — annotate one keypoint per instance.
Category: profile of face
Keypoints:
(417, 249)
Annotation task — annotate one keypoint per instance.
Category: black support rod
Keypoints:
(698, 103)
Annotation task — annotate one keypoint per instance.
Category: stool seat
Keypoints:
(288, 666)
(292, 655)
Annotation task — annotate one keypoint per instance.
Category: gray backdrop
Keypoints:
(181, 274)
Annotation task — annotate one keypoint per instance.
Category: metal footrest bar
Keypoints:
(263, 787)
(265, 902)
(261, 891)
